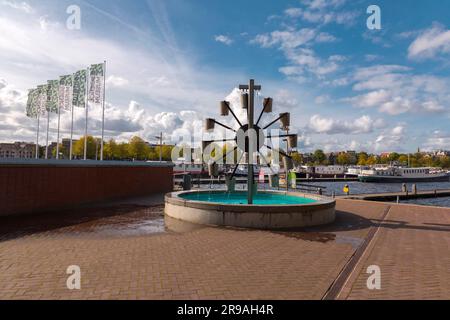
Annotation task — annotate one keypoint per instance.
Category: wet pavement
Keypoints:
(129, 250)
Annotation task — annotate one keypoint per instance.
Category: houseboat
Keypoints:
(401, 175)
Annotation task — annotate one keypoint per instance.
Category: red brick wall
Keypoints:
(36, 188)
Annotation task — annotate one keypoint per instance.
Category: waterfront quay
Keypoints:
(392, 196)
(126, 250)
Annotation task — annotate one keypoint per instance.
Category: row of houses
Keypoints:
(25, 150)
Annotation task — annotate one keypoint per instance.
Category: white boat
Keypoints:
(400, 175)
(189, 168)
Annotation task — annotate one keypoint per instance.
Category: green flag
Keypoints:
(96, 83)
(42, 99)
(52, 96)
(33, 95)
(79, 89)
(65, 92)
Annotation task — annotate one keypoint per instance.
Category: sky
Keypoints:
(170, 63)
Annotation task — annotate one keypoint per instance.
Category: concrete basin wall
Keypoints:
(256, 217)
(29, 186)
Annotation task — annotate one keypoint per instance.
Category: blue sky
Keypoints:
(170, 63)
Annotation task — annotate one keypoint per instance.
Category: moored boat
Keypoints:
(400, 175)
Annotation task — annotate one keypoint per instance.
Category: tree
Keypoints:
(343, 159)
(372, 161)
(110, 150)
(444, 162)
(403, 159)
(138, 149)
(362, 158)
(393, 156)
(319, 156)
(63, 152)
(297, 157)
(92, 144)
(122, 151)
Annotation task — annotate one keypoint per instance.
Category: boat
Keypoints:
(242, 171)
(189, 168)
(403, 175)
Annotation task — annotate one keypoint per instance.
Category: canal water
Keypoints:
(357, 187)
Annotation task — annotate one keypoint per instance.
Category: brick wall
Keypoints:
(36, 187)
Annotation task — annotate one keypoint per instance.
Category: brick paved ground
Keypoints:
(125, 253)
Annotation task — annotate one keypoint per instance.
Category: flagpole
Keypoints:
(71, 125)
(48, 126)
(37, 136)
(103, 112)
(59, 124)
(87, 113)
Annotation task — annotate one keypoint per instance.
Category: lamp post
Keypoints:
(160, 140)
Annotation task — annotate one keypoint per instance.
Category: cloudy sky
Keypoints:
(170, 62)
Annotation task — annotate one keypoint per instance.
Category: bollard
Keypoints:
(414, 189)
(404, 188)
(398, 199)
(187, 182)
(274, 181)
(231, 184)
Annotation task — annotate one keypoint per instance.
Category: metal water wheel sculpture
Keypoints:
(250, 137)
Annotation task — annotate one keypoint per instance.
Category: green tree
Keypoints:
(92, 145)
(110, 150)
(63, 152)
(138, 149)
(297, 157)
(122, 151)
(319, 156)
(393, 156)
(362, 158)
(403, 159)
(372, 160)
(343, 159)
(444, 162)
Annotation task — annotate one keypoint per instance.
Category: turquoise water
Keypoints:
(241, 198)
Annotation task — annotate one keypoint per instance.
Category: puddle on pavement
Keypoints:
(131, 221)
(308, 236)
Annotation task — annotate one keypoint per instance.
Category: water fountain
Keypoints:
(251, 209)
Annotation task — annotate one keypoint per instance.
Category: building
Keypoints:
(17, 150)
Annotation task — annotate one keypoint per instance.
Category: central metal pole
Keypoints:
(251, 113)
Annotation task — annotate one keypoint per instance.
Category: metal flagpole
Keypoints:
(59, 124)
(71, 126)
(103, 112)
(37, 136)
(87, 113)
(48, 126)
(160, 146)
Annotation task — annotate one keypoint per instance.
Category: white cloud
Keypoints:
(364, 124)
(437, 141)
(394, 90)
(430, 43)
(116, 81)
(391, 140)
(322, 99)
(22, 6)
(224, 39)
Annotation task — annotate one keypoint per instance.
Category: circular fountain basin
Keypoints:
(271, 209)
